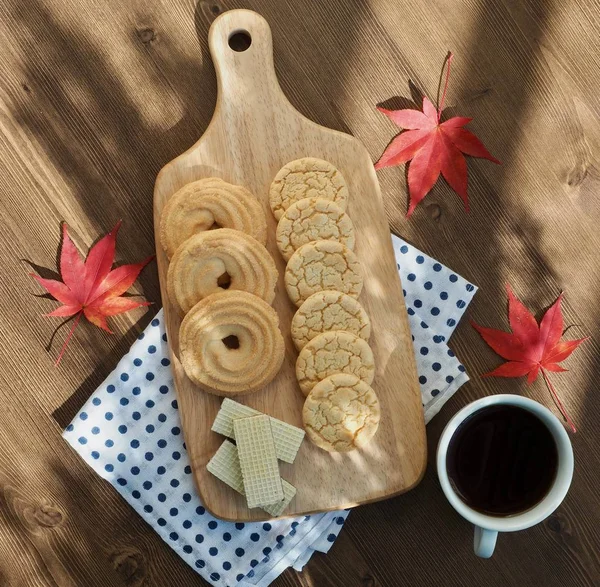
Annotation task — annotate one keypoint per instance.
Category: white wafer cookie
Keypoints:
(258, 460)
(287, 438)
(225, 466)
(276, 509)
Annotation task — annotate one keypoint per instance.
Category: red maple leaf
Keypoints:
(432, 147)
(531, 349)
(91, 288)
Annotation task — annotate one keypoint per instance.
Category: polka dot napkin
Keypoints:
(436, 299)
(129, 432)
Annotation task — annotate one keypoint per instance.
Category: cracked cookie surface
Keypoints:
(329, 310)
(334, 352)
(313, 219)
(206, 204)
(307, 178)
(320, 266)
(341, 413)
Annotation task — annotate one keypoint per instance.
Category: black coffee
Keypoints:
(502, 460)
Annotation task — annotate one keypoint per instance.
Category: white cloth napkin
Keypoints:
(129, 432)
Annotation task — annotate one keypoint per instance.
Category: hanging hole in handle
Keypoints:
(240, 41)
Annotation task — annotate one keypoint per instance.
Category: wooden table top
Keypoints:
(96, 96)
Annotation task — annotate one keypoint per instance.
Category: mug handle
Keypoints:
(484, 542)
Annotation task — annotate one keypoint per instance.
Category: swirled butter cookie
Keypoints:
(341, 413)
(230, 343)
(334, 352)
(313, 219)
(307, 178)
(329, 310)
(320, 266)
(210, 203)
(216, 260)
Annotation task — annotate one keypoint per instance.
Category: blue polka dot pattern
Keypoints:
(118, 432)
(435, 299)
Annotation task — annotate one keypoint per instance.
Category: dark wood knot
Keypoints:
(367, 580)
(146, 35)
(26, 88)
(576, 176)
(48, 516)
(210, 9)
(130, 565)
(554, 524)
(435, 211)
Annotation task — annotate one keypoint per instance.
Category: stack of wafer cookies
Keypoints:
(335, 365)
(250, 467)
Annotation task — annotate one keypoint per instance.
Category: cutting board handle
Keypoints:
(241, 47)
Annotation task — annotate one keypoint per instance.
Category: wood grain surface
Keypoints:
(97, 96)
(252, 135)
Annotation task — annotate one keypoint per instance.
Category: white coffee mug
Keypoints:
(487, 527)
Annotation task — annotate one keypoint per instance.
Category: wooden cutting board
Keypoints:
(253, 133)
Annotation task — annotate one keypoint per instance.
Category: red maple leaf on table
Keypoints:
(433, 148)
(531, 349)
(92, 288)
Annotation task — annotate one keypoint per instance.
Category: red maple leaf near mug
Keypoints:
(531, 348)
(433, 148)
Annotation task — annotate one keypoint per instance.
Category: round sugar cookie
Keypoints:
(230, 343)
(207, 204)
(320, 266)
(216, 261)
(334, 352)
(313, 219)
(307, 178)
(341, 413)
(329, 310)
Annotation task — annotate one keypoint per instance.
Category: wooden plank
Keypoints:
(252, 135)
(91, 109)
